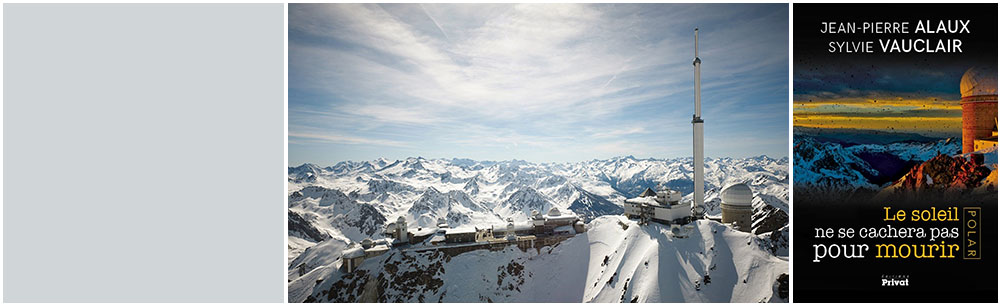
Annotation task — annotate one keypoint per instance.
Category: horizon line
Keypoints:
(531, 162)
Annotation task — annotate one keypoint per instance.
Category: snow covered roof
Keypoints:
(563, 217)
(353, 252)
(645, 200)
(429, 231)
(465, 230)
(517, 227)
(378, 248)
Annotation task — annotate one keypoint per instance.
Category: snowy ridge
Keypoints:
(316, 211)
(915, 151)
(829, 167)
(352, 199)
(455, 206)
(823, 167)
(616, 260)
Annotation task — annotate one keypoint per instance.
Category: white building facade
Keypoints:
(663, 207)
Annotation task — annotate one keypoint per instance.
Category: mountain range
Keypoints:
(334, 199)
(331, 207)
(823, 166)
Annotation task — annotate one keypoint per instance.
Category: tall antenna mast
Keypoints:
(697, 78)
(697, 203)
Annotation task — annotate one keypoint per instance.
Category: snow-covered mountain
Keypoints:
(351, 200)
(616, 260)
(330, 207)
(823, 167)
(894, 171)
(317, 213)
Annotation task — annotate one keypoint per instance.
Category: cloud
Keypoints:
(332, 138)
(527, 74)
(919, 112)
(621, 132)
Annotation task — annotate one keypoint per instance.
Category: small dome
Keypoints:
(401, 219)
(353, 252)
(554, 212)
(979, 81)
(737, 194)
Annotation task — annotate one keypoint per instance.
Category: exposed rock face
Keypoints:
(349, 289)
(945, 172)
(945, 177)
(591, 205)
(298, 226)
(767, 218)
(781, 284)
(413, 277)
(775, 241)
(368, 220)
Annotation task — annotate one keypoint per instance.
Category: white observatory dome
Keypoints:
(737, 194)
(979, 81)
(554, 212)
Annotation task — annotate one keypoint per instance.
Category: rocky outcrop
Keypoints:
(298, 226)
(944, 172)
(768, 218)
(367, 219)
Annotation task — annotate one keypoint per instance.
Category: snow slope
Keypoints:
(616, 260)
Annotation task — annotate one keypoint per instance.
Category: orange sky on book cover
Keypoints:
(928, 115)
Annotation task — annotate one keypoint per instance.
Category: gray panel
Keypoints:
(143, 153)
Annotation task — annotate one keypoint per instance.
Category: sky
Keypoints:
(541, 83)
(894, 99)
(898, 92)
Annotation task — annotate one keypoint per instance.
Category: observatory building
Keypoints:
(663, 206)
(398, 230)
(979, 109)
(736, 206)
(541, 230)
